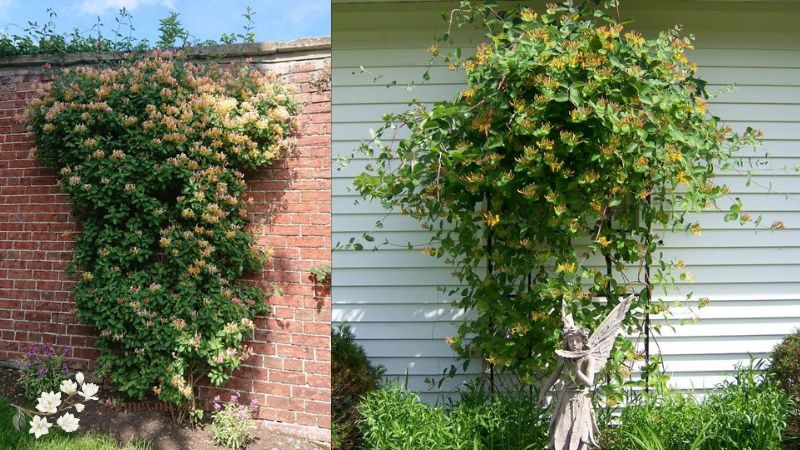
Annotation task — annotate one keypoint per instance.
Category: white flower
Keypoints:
(68, 422)
(79, 377)
(88, 391)
(79, 407)
(39, 426)
(48, 402)
(69, 387)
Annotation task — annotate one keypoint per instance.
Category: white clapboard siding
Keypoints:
(390, 296)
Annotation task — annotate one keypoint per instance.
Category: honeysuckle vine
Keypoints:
(152, 152)
(545, 179)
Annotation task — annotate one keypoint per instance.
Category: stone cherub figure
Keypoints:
(573, 425)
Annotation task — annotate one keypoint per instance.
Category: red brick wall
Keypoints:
(289, 374)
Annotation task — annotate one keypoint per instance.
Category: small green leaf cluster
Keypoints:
(321, 273)
(543, 181)
(151, 152)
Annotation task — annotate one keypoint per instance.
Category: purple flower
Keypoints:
(217, 406)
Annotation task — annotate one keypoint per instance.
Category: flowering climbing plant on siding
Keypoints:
(152, 151)
(542, 181)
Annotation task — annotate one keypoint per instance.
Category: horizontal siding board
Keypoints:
(422, 295)
(708, 238)
(693, 257)
(436, 276)
(732, 311)
(781, 131)
(371, 113)
(402, 76)
(417, 57)
(739, 183)
(753, 202)
(746, 94)
(759, 326)
(768, 148)
(668, 346)
(710, 220)
(435, 366)
(754, 163)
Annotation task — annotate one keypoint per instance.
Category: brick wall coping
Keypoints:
(297, 47)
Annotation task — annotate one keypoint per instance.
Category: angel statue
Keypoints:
(573, 425)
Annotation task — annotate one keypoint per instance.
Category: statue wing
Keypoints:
(602, 340)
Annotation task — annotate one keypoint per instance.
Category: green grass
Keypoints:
(10, 438)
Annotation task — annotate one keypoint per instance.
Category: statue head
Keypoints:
(576, 338)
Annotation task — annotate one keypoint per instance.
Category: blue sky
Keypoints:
(204, 19)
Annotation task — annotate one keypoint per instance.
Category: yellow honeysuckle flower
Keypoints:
(491, 219)
(603, 241)
(566, 267)
(528, 15)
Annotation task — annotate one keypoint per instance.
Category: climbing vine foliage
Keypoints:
(544, 180)
(151, 152)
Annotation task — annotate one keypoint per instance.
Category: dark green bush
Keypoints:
(396, 419)
(785, 368)
(352, 377)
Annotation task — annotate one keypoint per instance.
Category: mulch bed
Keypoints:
(157, 427)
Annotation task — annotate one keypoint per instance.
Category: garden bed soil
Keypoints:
(158, 428)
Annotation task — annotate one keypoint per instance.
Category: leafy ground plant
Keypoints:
(748, 412)
(231, 422)
(152, 153)
(394, 418)
(43, 368)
